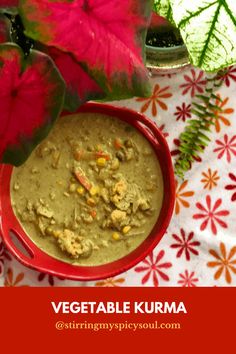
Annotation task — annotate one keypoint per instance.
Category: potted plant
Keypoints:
(208, 30)
(196, 32)
(61, 54)
(165, 50)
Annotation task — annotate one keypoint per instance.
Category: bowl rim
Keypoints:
(41, 261)
(166, 49)
(157, 66)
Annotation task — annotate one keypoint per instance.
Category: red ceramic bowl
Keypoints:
(37, 259)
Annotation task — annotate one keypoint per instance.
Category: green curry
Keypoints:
(91, 192)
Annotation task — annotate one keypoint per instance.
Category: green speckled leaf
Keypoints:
(208, 28)
(163, 8)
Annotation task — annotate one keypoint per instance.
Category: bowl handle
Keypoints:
(154, 134)
(31, 255)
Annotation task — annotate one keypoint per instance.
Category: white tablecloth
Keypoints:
(199, 248)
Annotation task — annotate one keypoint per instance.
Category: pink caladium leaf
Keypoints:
(31, 98)
(106, 37)
(4, 29)
(80, 87)
(9, 5)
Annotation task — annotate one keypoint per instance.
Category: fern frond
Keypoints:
(195, 137)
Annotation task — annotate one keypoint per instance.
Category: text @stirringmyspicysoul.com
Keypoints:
(116, 326)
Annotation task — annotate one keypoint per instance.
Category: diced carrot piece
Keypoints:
(83, 179)
(118, 143)
(78, 155)
(102, 154)
(93, 213)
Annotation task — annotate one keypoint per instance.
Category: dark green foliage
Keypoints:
(195, 137)
(18, 36)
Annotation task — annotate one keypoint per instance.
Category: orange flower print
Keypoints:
(10, 281)
(220, 115)
(225, 263)
(210, 179)
(181, 195)
(156, 99)
(111, 282)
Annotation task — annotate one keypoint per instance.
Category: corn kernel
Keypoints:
(80, 190)
(56, 233)
(126, 229)
(101, 161)
(49, 231)
(91, 202)
(94, 190)
(115, 164)
(116, 236)
(72, 187)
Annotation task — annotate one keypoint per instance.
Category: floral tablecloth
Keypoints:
(199, 248)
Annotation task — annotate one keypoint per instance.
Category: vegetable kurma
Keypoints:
(91, 192)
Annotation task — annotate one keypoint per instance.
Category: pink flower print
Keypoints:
(228, 147)
(154, 268)
(231, 187)
(188, 279)
(211, 214)
(195, 84)
(183, 112)
(227, 75)
(185, 244)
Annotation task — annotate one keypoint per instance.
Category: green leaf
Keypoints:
(194, 138)
(163, 8)
(204, 137)
(208, 28)
(199, 107)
